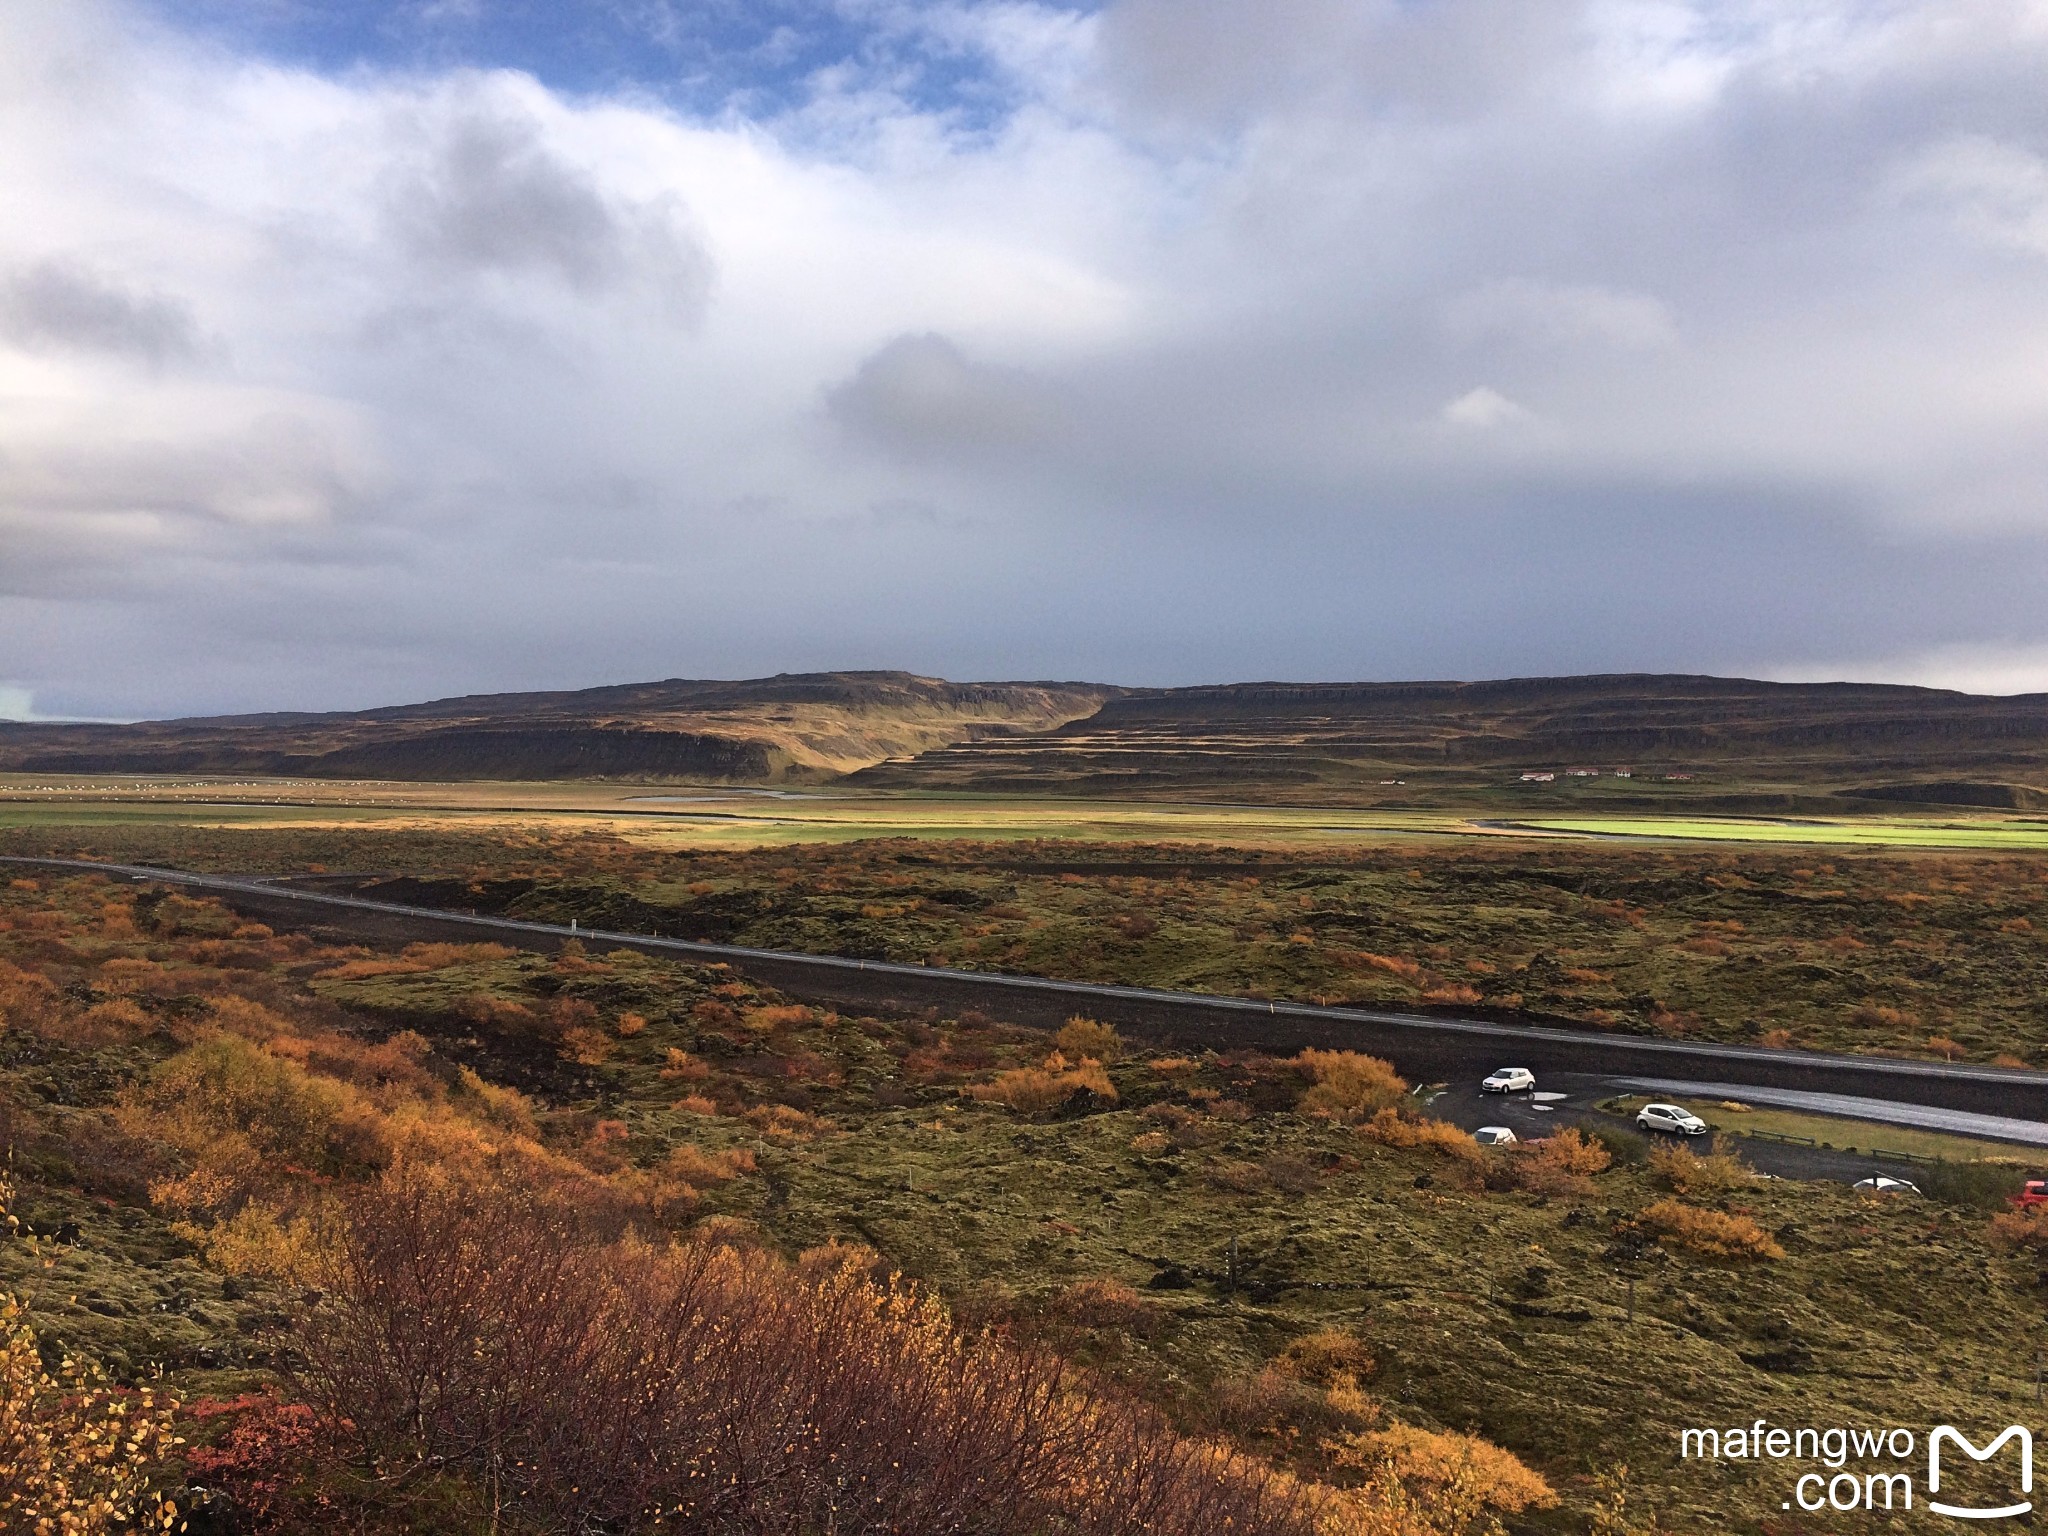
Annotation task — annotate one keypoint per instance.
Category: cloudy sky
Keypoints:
(355, 351)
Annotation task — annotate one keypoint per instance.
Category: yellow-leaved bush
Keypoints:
(78, 1456)
(1430, 1483)
(1348, 1085)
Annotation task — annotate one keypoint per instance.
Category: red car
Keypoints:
(2036, 1193)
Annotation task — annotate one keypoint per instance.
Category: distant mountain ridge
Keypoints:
(900, 730)
(791, 727)
(1325, 739)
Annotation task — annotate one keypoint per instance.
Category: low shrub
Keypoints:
(2026, 1229)
(785, 1123)
(1441, 1483)
(260, 1454)
(604, 1385)
(1391, 1128)
(1975, 1186)
(77, 1456)
(1100, 1302)
(681, 1066)
(1034, 1090)
(1709, 1233)
(586, 1045)
(244, 1118)
(1559, 1164)
(1326, 1354)
(1685, 1172)
(435, 957)
(1081, 1039)
(695, 1166)
(1625, 1148)
(778, 1016)
(1348, 1085)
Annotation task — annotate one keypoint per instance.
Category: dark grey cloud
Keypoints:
(921, 395)
(492, 196)
(64, 304)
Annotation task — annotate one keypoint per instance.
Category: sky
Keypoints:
(355, 353)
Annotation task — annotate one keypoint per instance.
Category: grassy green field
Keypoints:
(682, 815)
(722, 817)
(1835, 1131)
(2017, 834)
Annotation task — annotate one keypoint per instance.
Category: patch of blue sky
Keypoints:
(761, 58)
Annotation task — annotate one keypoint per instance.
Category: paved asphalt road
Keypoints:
(1424, 1048)
(1569, 1098)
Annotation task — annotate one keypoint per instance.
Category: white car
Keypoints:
(1493, 1136)
(1510, 1080)
(1885, 1184)
(1671, 1120)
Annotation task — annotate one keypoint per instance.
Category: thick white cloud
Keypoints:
(1307, 338)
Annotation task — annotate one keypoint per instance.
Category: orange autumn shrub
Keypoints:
(114, 1022)
(586, 1045)
(1349, 1086)
(1686, 1172)
(436, 957)
(1083, 1039)
(2023, 1229)
(1709, 1233)
(1562, 1163)
(1033, 1090)
(1437, 1483)
(1326, 1355)
(693, 1165)
(494, 1105)
(1452, 992)
(783, 1123)
(487, 1011)
(1407, 970)
(245, 1120)
(682, 1067)
(1391, 1128)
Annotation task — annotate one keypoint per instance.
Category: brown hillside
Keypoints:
(1306, 738)
(794, 727)
(1715, 743)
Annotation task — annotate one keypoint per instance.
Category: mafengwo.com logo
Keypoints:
(1942, 1471)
